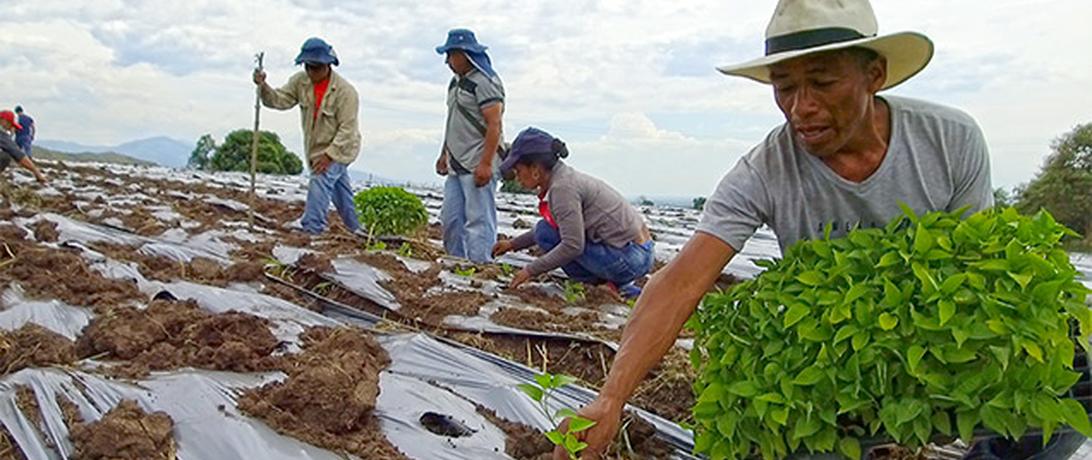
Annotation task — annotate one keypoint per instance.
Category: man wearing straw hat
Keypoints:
(845, 155)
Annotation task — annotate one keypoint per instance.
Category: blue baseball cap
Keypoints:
(532, 141)
(461, 39)
(316, 51)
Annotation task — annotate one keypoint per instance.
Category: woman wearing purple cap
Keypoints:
(587, 229)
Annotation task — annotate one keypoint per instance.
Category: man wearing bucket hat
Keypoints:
(10, 151)
(331, 134)
(845, 156)
(468, 157)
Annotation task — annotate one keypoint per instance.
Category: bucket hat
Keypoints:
(461, 39)
(316, 51)
(802, 27)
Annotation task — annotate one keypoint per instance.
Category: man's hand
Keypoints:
(321, 164)
(502, 247)
(521, 277)
(259, 77)
(441, 165)
(607, 414)
(42, 180)
(483, 174)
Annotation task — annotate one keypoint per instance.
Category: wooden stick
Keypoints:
(260, 57)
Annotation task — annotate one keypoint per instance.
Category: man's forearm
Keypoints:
(667, 302)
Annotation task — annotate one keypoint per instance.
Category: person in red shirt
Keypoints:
(10, 151)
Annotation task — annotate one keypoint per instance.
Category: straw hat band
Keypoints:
(810, 39)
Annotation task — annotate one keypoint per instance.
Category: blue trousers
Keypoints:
(600, 263)
(331, 185)
(469, 218)
(25, 145)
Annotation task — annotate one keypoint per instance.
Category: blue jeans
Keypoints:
(25, 145)
(469, 218)
(600, 263)
(333, 184)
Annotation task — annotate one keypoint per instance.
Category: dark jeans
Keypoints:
(600, 263)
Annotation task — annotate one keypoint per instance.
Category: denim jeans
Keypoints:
(25, 145)
(469, 218)
(331, 185)
(600, 263)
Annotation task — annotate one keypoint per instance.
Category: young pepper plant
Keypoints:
(541, 392)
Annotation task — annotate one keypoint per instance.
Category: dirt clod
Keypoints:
(126, 432)
(170, 335)
(33, 345)
(329, 394)
(45, 231)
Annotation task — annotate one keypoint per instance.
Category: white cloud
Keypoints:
(597, 73)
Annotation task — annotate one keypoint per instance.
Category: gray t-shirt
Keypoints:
(9, 150)
(936, 160)
(473, 92)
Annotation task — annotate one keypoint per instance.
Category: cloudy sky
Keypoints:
(629, 84)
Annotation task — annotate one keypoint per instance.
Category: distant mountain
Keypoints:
(160, 150)
(41, 153)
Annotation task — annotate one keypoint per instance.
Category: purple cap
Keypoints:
(530, 141)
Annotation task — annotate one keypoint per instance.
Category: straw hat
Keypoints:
(802, 27)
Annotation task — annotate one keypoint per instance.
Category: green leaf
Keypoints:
(564, 413)
(806, 426)
(578, 424)
(531, 391)
(923, 239)
(546, 381)
(1033, 350)
(860, 340)
(967, 421)
(855, 292)
(942, 423)
(1076, 416)
(561, 380)
(811, 278)
(947, 310)
(809, 376)
(745, 388)
(796, 313)
(555, 437)
(845, 332)
(850, 447)
(913, 356)
(889, 259)
(888, 321)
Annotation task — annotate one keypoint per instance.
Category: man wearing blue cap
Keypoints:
(331, 134)
(475, 102)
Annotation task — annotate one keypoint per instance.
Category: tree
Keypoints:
(512, 186)
(699, 203)
(1064, 185)
(644, 201)
(1002, 198)
(199, 159)
(273, 157)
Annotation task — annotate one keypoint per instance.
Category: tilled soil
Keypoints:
(32, 346)
(9, 233)
(49, 273)
(329, 394)
(199, 270)
(45, 231)
(170, 335)
(126, 432)
(638, 441)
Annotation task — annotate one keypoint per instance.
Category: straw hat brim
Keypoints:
(907, 54)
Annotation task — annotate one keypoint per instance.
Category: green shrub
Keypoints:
(929, 326)
(389, 211)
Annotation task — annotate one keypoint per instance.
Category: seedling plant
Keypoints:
(390, 211)
(930, 326)
(541, 392)
(575, 292)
